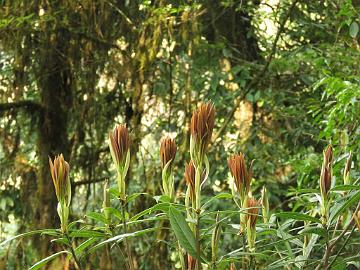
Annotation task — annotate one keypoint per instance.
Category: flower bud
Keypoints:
(252, 214)
(167, 156)
(191, 262)
(215, 238)
(202, 125)
(232, 266)
(357, 219)
(119, 143)
(167, 151)
(265, 205)
(326, 172)
(60, 175)
(347, 170)
(241, 174)
(190, 178)
(106, 201)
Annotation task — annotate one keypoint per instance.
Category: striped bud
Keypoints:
(215, 238)
(190, 178)
(167, 151)
(241, 174)
(106, 200)
(252, 214)
(347, 170)
(326, 172)
(60, 175)
(119, 143)
(265, 205)
(202, 125)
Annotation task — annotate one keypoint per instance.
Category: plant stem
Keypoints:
(77, 262)
(128, 250)
(342, 247)
(198, 171)
(198, 248)
(330, 245)
(244, 250)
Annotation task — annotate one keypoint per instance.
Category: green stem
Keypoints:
(244, 249)
(77, 262)
(181, 255)
(128, 249)
(198, 171)
(198, 248)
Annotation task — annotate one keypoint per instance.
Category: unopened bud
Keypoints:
(202, 125)
(265, 205)
(60, 175)
(119, 143)
(252, 214)
(106, 202)
(215, 238)
(241, 174)
(347, 170)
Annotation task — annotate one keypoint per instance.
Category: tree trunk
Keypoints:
(55, 85)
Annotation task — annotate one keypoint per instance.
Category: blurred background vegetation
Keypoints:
(283, 75)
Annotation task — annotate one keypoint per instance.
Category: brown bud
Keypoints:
(232, 266)
(191, 262)
(202, 125)
(347, 170)
(252, 211)
(60, 175)
(167, 151)
(119, 145)
(190, 177)
(326, 171)
(242, 176)
(357, 219)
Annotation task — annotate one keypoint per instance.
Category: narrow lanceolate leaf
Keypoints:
(44, 261)
(119, 238)
(53, 232)
(85, 245)
(345, 188)
(314, 230)
(87, 234)
(297, 216)
(97, 216)
(341, 207)
(182, 231)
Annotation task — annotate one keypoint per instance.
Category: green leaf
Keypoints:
(84, 245)
(297, 216)
(44, 261)
(314, 230)
(45, 231)
(114, 212)
(340, 208)
(345, 188)
(339, 265)
(97, 216)
(354, 29)
(134, 196)
(87, 234)
(157, 207)
(121, 237)
(182, 231)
